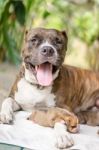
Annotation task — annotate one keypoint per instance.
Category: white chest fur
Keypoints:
(29, 95)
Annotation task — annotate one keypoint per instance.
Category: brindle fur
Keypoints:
(76, 90)
(14, 87)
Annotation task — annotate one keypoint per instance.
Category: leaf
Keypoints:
(2, 6)
(5, 13)
(46, 14)
(20, 11)
(11, 47)
(29, 4)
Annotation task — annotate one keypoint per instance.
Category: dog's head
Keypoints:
(43, 53)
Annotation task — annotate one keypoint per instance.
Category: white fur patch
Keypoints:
(55, 75)
(63, 138)
(29, 95)
(30, 77)
(6, 111)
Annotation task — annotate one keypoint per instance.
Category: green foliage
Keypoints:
(19, 8)
(10, 21)
(86, 27)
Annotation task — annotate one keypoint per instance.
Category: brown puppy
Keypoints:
(43, 82)
(49, 116)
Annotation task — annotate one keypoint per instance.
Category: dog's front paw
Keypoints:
(63, 138)
(6, 117)
(6, 114)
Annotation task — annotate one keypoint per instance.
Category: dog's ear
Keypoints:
(65, 37)
(24, 40)
(64, 34)
(25, 34)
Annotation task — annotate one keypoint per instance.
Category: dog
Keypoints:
(57, 94)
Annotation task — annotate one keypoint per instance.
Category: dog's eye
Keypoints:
(33, 40)
(58, 41)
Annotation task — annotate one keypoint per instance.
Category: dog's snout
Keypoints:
(47, 51)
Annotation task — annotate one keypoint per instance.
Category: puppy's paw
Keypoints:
(63, 138)
(72, 124)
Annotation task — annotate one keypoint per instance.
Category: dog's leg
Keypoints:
(8, 107)
(63, 138)
(89, 117)
(57, 118)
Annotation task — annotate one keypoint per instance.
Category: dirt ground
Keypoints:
(7, 76)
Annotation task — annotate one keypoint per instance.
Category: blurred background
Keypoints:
(80, 18)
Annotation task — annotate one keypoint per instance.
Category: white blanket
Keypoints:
(27, 134)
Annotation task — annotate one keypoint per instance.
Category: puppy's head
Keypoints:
(43, 53)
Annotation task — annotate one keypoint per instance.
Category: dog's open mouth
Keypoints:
(44, 73)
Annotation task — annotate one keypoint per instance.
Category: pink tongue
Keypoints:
(44, 74)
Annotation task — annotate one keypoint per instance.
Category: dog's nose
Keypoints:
(47, 51)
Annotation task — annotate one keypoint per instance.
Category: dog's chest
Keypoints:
(29, 96)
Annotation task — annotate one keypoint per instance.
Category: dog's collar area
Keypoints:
(38, 86)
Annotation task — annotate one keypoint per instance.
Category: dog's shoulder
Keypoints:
(19, 76)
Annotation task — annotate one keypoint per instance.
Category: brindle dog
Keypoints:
(57, 92)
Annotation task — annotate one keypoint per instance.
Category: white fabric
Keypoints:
(27, 134)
